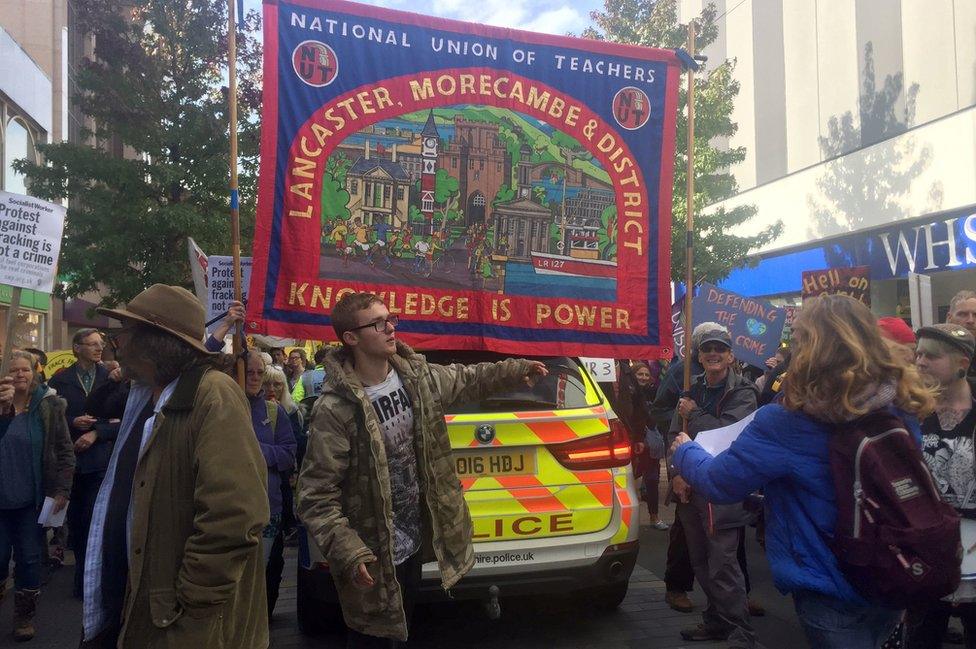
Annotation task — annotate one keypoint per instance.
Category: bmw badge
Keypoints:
(485, 434)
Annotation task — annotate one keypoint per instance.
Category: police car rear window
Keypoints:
(563, 388)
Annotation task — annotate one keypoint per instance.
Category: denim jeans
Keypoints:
(830, 623)
(20, 533)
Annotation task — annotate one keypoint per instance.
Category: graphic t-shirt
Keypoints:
(391, 403)
(949, 454)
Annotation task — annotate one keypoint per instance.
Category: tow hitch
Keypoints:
(493, 607)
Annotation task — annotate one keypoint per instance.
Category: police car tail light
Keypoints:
(599, 452)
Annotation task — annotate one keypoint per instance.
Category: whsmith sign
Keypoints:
(930, 244)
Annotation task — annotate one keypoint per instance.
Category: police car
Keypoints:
(547, 477)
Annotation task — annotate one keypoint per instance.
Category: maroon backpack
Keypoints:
(896, 539)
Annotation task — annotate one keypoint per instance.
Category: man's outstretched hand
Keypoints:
(537, 370)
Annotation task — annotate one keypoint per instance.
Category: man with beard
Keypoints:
(174, 558)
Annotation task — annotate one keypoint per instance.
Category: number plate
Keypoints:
(486, 464)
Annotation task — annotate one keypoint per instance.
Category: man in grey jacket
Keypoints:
(718, 397)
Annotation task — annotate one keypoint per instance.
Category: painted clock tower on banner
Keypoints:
(430, 142)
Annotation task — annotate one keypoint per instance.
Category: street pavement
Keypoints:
(643, 621)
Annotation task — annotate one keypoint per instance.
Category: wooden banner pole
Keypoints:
(235, 218)
(690, 217)
(8, 341)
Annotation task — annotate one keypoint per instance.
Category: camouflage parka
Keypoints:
(343, 489)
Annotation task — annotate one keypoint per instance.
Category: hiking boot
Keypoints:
(678, 600)
(704, 632)
(25, 604)
(756, 609)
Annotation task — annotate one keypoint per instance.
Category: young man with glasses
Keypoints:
(378, 489)
(718, 397)
(93, 438)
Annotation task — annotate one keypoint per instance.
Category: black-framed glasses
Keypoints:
(380, 325)
(709, 348)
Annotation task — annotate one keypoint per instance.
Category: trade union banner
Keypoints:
(498, 189)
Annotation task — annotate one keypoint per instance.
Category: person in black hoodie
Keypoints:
(93, 438)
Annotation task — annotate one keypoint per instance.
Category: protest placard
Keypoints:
(603, 370)
(58, 360)
(854, 281)
(198, 269)
(497, 189)
(755, 325)
(30, 241)
(220, 284)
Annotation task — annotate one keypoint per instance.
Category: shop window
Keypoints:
(17, 143)
(28, 330)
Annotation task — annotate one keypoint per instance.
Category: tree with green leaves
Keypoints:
(717, 251)
(540, 195)
(447, 195)
(155, 92)
(335, 197)
(503, 195)
(607, 235)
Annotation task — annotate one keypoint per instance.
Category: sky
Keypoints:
(549, 16)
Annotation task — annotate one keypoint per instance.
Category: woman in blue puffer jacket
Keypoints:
(840, 370)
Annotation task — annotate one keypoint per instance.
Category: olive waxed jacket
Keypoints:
(199, 505)
(344, 487)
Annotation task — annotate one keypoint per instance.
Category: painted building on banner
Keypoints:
(859, 125)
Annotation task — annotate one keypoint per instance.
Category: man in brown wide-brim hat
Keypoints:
(191, 574)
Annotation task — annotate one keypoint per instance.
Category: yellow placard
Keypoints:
(57, 360)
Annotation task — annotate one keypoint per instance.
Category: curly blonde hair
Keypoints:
(838, 352)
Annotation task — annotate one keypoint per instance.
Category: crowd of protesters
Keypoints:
(159, 426)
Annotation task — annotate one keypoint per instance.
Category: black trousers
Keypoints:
(679, 575)
(926, 623)
(408, 576)
(84, 491)
(741, 555)
(287, 502)
(272, 571)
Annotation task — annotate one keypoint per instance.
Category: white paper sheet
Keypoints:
(967, 530)
(48, 518)
(720, 439)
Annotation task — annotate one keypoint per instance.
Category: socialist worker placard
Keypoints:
(499, 189)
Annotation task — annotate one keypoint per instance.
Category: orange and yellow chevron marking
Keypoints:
(494, 442)
(628, 508)
(603, 492)
(598, 412)
(530, 433)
